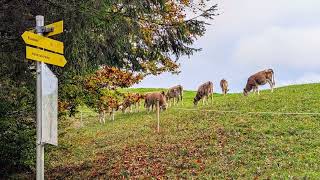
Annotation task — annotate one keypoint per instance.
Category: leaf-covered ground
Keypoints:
(197, 144)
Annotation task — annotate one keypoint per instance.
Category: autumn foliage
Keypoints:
(111, 78)
(102, 87)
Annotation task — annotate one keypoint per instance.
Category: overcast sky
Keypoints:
(249, 36)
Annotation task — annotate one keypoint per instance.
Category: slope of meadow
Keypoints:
(197, 143)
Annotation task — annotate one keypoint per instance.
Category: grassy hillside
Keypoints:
(197, 143)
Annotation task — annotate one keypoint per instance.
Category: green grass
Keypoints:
(199, 144)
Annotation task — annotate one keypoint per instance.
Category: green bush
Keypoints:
(17, 145)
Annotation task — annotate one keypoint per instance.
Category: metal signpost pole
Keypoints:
(40, 145)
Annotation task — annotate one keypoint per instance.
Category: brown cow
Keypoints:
(107, 106)
(224, 86)
(260, 78)
(204, 91)
(131, 100)
(175, 93)
(151, 100)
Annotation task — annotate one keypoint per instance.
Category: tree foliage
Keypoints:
(101, 87)
(140, 36)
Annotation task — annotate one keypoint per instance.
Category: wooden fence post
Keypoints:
(158, 116)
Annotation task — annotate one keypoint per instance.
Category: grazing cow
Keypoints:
(204, 91)
(260, 78)
(224, 86)
(107, 106)
(131, 100)
(151, 100)
(103, 111)
(175, 93)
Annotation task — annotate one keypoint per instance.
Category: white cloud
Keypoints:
(292, 47)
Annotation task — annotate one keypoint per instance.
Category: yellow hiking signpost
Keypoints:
(42, 42)
(46, 43)
(57, 28)
(50, 51)
(45, 56)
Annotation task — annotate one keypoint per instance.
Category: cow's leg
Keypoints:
(258, 90)
(255, 89)
(271, 84)
(203, 100)
(134, 107)
(181, 99)
(139, 104)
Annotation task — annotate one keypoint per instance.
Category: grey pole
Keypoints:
(40, 145)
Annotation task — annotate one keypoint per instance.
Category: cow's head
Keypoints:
(245, 92)
(164, 107)
(195, 101)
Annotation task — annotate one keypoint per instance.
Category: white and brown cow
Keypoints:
(174, 94)
(260, 78)
(151, 100)
(224, 86)
(204, 91)
(107, 106)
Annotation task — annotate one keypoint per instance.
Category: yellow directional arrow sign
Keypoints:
(57, 28)
(42, 42)
(45, 56)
